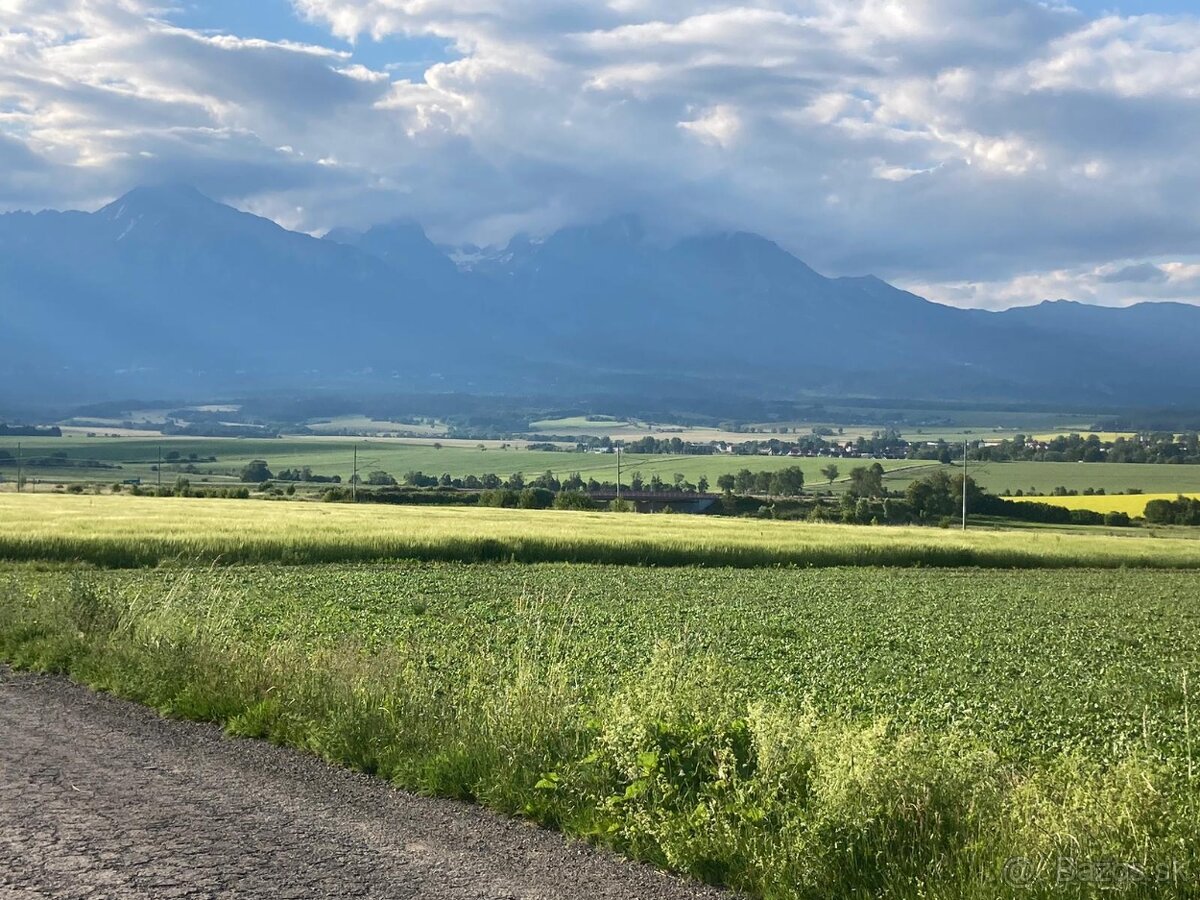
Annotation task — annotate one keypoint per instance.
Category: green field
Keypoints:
(1044, 477)
(864, 642)
(793, 733)
(328, 456)
(795, 710)
(126, 530)
(335, 456)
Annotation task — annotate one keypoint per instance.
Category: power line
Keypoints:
(964, 485)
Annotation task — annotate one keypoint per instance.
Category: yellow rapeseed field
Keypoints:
(1107, 436)
(1133, 504)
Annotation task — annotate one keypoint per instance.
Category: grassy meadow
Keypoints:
(122, 530)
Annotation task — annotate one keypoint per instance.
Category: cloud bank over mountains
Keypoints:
(981, 152)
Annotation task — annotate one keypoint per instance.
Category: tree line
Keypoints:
(1181, 511)
(30, 431)
(1160, 447)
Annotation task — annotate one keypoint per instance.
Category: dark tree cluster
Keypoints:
(1181, 511)
(30, 431)
(307, 476)
(672, 446)
(787, 482)
(56, 460)
(256, 472)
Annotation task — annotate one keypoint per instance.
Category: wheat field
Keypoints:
(123, 531)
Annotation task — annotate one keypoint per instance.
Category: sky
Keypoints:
(983, 153)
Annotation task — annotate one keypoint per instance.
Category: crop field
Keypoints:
(335, 456)
(856, 642)
(326, 456)
(367, 425)
(932, 424)
(796, 710)
(794, 733)
(1130, 504)
(634, 429)
(122, 530)
(1044, 477)
(981, 426)
(1106, 436)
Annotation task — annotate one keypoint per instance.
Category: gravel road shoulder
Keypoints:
(103, 798)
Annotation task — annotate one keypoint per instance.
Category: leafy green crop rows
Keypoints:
(1038, 662)
(794, 733)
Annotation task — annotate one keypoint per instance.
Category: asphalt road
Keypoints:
(102, 798)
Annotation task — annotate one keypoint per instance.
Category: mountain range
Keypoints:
(166, 292)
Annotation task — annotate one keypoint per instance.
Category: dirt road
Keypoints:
(102, 798)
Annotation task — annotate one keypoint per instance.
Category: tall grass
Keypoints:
(128, 531)
(666, 766)
(150, 551)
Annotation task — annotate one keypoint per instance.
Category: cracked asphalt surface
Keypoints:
(103, 798)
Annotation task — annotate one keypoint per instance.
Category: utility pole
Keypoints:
(964, 485)
(18, 467)
(160, 467)
(618, 473)
(354, 478)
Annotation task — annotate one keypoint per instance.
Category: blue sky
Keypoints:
(1135, 7)
(277, 20)
(409, 57)
(980, 152)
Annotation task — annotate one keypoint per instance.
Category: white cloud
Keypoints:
(1141, 56)
(719, 125)
(987, 150)
(897, 173)
(1117, 283)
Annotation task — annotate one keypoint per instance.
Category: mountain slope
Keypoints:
(189, 292)
(167, 291)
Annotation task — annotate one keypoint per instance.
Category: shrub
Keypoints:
(501, 497)
(1181, 511)
(255, 472)
(536, 498)
(574, 500)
